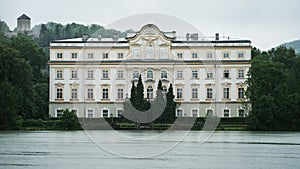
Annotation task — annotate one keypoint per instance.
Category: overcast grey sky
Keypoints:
(266, 22)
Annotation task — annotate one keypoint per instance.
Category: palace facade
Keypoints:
(93, 76)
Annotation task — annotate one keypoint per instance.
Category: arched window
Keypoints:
(164, 74)
(149, 74)
(150, 92)
(149, 52)
(135, 74)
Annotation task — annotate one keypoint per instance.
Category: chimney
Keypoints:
(217, 36)
(187, 36)
(195, 36)
(85, 37)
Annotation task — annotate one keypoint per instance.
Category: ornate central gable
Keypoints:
(150, 43)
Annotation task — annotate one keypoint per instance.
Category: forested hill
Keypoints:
(294, 44)
(54, 31)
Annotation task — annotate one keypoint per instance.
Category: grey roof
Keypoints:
(23, 17)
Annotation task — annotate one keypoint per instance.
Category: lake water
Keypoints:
(81, 149)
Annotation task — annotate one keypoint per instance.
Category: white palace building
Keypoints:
(93, 76)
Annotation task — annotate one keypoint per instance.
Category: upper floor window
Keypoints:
(74, 74)
(59, 74)
(241, 93)
(90, 93)
(120, 74)
(194, 74)
(135, 52)
(209, 93)
(59, 55)
(149, 52)
(164, 74)
(120, 55)
(241, 73)
(194, 55)
(179, 74)
(179, 55)
(105, 93)
(74, 93)
(194, 93)
(226, 55)
(209, 55)
(90, 55)
(120, 93)
(135, 74)
(226, 73)
(179, 93)
(240, 55)
(105, 74)
(59, 93)
(163, 53)
(105, 55)
(90, 74)
(149, 74)
(74, 55)
(226, 93)
(209, 74)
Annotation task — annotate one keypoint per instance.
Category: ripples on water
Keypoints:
(75, 149)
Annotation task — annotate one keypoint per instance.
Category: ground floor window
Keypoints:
(105, 113)
(225, 113)
(241, 113)
(90, 113)
(194, 113)
(179, 113)
(59, 113)
(209, 112)
(120, 112)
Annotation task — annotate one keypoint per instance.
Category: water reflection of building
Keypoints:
(93, 75)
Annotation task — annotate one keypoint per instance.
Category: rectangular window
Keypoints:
(59, 93)
(105, 93)
(90, 55)
(194, 93)
(120, 94)
(240, 55)
(179, 74)
(74, 74)
(241, 93)
(59, 55)
(226, 74)
(105, 55)
(194, 55)
(120, 74)
(179, 55)
(240, 73)
(241, 113)
(90, 113)
(226, 93)
(194, 113)
(74, 55)
(209, 75)
(209, 55)
(179, 113)
(226, 55)
(104, 113)
(120, 112)
(59, 113)
(179, 93)
(226, 113)
(74, 94)
(105, 74)
(59, 74)
(90, 74)
(135, 52)
(90, 94)
(194, 74)
(209, 93)
(120, 55)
